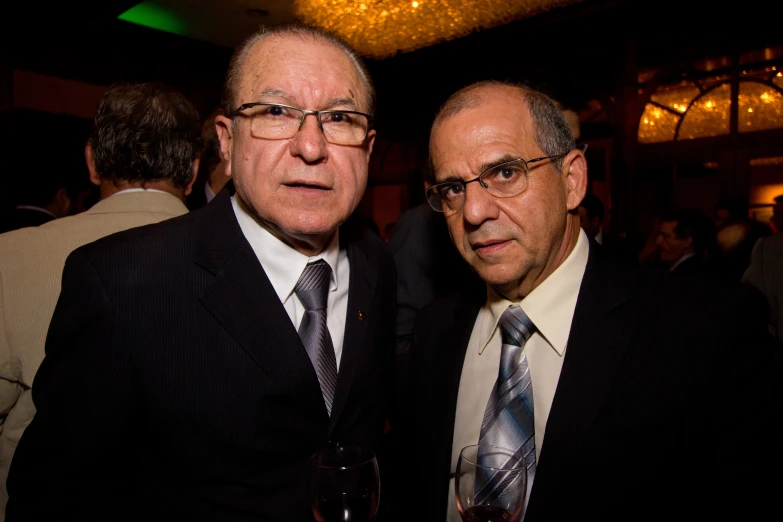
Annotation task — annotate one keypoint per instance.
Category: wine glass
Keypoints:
(344, 484)
(490, 483)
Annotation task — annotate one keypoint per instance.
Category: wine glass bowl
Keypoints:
(344, 485)
(490, 484)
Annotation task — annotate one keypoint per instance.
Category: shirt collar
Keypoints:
(681, 261)
(208, 192)
(551, 305)
(37, 209)
(283, 265)
(138, 189)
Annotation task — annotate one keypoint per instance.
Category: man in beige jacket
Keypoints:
(143, 154)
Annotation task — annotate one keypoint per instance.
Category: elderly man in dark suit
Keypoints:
(629, 398)
(192, 368)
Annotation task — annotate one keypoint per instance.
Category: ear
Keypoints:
(575, 170)
(189, 186)
(95, 178)
(369, 142)
(225, 132)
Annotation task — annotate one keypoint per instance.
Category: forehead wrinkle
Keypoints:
(265, 54)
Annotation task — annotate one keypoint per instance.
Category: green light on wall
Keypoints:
(154, 16)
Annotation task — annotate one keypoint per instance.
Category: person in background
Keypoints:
(212, 175)
(587, 367)
(143, 155)
(729, 211)
(682, 242)
(734, 243)
(193, 367)
(47, 184)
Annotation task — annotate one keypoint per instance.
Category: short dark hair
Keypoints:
(778, 199)
(145, 132)
(306, 33)
(552, 132)
(690, 223)
(593, 206)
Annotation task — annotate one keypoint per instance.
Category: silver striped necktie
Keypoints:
(312, 289)
(508, 420)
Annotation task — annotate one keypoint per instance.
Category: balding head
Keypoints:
(552, 131)
(304, 33)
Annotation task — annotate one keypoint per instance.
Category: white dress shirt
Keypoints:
(208, 192)
(284, 265)
(551, 309)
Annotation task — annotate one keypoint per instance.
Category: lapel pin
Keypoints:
(361, 315)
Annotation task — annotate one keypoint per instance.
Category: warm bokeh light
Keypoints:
(760, 107)
(381, 28)
(656, 125)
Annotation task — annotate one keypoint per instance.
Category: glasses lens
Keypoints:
(274, 122)
(446, 197)
(508, 179)
(344, 128)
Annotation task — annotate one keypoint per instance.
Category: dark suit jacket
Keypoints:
(666, 407)
(176, 387)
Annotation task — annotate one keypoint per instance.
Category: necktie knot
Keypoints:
(515, 326)
(312, 289)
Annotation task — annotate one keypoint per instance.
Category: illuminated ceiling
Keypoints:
(381, 28)
(376, 28)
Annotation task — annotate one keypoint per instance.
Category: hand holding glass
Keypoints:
(344, 485)
(490, 483)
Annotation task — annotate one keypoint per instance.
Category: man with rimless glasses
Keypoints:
(629, 398)
(192, 369)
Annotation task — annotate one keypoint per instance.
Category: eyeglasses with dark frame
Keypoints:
(505, 180)
(276, 121)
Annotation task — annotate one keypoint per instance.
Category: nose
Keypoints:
(479, 205)
(309, 142)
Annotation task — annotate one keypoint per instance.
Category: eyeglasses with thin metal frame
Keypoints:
(505, 180)
(277, 121)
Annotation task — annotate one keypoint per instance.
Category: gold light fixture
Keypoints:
(381, 28)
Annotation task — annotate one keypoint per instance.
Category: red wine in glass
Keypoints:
(344, 508)
(344, 485)
(486, 514)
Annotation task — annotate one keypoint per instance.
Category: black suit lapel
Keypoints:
(600, 331)
(363, 281)
(243, 301)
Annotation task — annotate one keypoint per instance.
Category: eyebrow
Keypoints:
(275, 92)
(492, 164)
(483, 168)
(332, 102)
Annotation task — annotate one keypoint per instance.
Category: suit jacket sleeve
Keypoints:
(70, 460)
